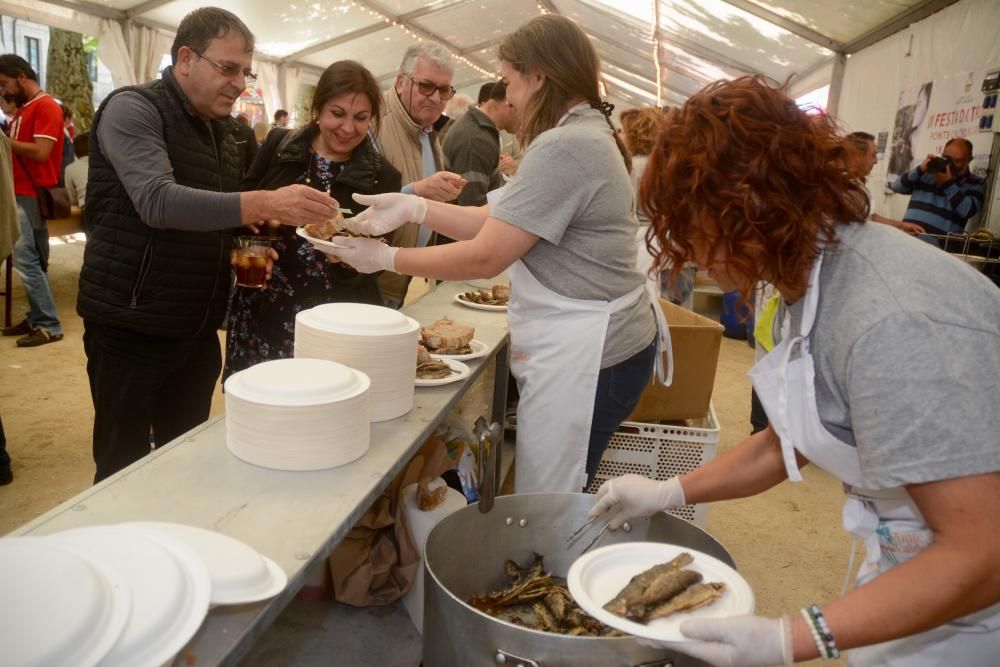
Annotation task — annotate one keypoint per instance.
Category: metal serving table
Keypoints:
(294, 518)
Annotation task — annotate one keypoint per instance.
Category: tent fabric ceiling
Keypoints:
(701, 40)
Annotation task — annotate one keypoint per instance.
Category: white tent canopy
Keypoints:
(670, 47)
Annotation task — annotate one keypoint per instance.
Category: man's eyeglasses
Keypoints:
(229, 70)
(427, 89)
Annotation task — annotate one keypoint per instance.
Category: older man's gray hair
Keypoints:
(439, 56)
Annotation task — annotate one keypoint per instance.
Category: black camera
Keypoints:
(938, 165)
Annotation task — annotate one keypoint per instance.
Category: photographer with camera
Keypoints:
(944, 193)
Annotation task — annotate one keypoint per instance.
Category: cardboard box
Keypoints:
(696, 342)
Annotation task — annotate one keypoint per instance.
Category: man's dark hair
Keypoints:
(203, 25)
(859, 140)
(965, 142)
(81, 145)
(279, 114)
(484, 92)
(498, 92)
(14, 66)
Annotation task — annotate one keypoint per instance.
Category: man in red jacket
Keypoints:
(36, 133)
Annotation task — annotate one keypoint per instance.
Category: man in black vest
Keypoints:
(163, 202)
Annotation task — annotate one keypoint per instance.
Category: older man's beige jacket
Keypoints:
(399, 137)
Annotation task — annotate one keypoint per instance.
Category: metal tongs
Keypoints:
(579, 531)
(490, 437)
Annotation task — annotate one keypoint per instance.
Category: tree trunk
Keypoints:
(68, 79)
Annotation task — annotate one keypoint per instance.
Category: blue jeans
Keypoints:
(28, 264)
(619, 388)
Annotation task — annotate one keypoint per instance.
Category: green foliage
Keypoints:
(67, 78)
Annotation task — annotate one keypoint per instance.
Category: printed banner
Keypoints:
(931, 114)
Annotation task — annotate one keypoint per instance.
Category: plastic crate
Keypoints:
(661, 451)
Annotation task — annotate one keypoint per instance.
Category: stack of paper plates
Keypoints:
(380, 342)
(298, 414)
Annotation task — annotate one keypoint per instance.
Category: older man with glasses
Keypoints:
(408, 135)
(163, 202)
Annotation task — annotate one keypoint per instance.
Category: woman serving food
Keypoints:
(880, 382)
(582, 326)
(333, 154)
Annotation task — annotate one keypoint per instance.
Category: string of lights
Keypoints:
(389, 20)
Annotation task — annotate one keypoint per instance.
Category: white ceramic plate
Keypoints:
(239, 573)
(478, 306)
(459, 371)
(598, 576)
(61, 605)
(479, 349)
(318, 243)
(169, 583)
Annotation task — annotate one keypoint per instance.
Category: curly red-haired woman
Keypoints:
(881, 381)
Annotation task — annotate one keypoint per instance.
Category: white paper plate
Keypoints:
(598, 576)
(459, 372)
(239, 573)
(478, 306)
(61, 605)
(320, 244)
(479, 349)
(169, 583)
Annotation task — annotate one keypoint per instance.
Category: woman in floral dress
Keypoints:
(333, 153)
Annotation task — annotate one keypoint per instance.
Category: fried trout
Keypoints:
(648, 588)
(695, 596)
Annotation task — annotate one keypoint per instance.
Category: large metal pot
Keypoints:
(465, 556)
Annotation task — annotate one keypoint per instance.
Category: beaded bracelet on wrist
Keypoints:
(822, 632)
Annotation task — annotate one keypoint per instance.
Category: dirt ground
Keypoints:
(787, 542)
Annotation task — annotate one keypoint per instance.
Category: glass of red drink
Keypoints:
(251, 261)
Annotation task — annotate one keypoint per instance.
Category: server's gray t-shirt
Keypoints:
(572, 191)
(907, 351)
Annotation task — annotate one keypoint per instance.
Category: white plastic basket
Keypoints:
(661, 451)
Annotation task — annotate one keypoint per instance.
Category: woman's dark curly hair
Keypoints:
(765, 178)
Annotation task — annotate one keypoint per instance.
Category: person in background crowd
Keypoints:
(941, 202)
(472, 149)
(881, 382)
(860, 164)
(260, 130)
(156, 274)
(36, 141)
(639, 128)
(453, 112)
(68, 120)
(280, 119)
(334, 154)
(409, 140)
(246, 142)
(76, 173)
(9, 231)
(7, 111)
(69, 132)
(583, 327)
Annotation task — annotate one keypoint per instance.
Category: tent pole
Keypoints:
(836, 84)
(282, 78)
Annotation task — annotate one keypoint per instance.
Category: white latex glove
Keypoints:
(364, 255)
(738, 641)
(386, 213)
(636, 496)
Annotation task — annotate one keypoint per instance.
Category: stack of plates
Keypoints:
(380, 342)
(298, 414)
(127, 595)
